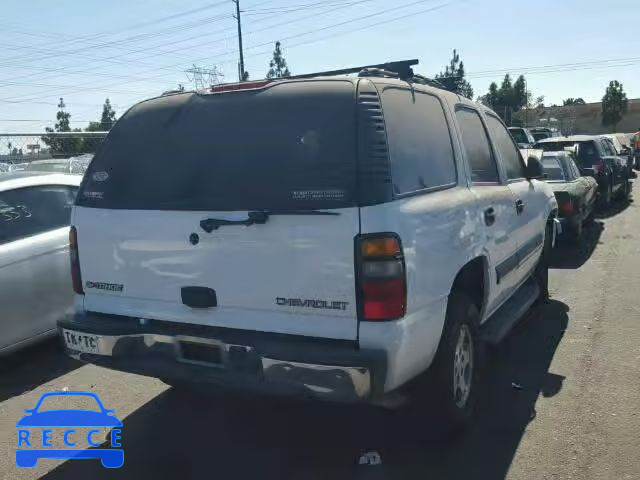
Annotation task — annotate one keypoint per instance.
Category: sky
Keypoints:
(124, 50)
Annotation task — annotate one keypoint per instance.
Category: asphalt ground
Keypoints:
(561, 400)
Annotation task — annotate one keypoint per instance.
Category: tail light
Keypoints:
(381, 283)
(566, 207)
(599, 166)
(76, 278)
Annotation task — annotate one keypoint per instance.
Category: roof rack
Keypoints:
(398, 69)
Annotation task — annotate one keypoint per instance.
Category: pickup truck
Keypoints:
(346, 238)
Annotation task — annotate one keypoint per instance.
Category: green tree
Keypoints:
(107, 119)
(453, 77)
(520, 94)
(614, 105)
(509, 98)
(492, 98)
(278, 65)
(62, 146)
(573, 101)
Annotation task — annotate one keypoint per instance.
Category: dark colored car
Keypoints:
(576, 194)
(522, 136)
(594, 158)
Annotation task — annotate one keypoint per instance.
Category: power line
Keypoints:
(204, 59)
(65, 71)
(477, 74)
(142, 24)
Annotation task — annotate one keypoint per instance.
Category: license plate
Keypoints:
(80, 342)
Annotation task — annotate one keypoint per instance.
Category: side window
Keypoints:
(476, 145)
(33, 210)
(419, 141)
(509, 153)
(574, 168)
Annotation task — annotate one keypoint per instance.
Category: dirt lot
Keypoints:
(576, 414)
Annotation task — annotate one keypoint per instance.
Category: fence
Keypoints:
(18, 148)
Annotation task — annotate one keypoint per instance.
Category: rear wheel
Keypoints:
(624, 191)
(454, 375)
(541, 273)
(577, 232)
(608, 194)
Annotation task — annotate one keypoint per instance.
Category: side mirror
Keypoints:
(534, 168)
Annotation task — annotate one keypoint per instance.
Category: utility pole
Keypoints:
(241, 73)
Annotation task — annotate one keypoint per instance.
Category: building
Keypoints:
(586, 119)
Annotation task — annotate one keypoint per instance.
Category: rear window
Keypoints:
(540, 136)
(552, 169)
(588, 152)
(289, 146)
(519, 135)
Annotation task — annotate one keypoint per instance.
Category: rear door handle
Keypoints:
(519, 206)
(489, 216)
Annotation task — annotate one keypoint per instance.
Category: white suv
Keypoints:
(330, 236)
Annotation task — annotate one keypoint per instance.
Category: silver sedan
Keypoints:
(35, 283)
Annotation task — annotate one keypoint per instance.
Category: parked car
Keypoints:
(540, 133)
(594, 158)
(74, 165)
(395, 231)
(576, 195)
(35, 211)
(624, 154)
(522, 136)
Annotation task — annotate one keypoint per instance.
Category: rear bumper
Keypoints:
(244, 360)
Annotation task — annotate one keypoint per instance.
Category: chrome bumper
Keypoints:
(163, 356)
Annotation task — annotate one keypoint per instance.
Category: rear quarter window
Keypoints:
(420, 149)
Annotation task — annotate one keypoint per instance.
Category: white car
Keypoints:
(330, 236)
(35, 284)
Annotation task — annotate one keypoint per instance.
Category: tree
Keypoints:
(62, 146)
(278, 65)
(509, 98)
(520, 94)
(453, 77)
(614, 105)
(108, 117)
(491, 99)
(573, 101)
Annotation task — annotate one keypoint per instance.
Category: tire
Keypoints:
(541, 273)
(456, 367)
(625, 191)
(577, 233)
(606, 200)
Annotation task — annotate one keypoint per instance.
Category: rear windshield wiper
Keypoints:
(258, 217)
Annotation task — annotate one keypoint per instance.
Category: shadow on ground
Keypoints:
(31, 367)
(614, 209)
(569, 254)
(185, 436)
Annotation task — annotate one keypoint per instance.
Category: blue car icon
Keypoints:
(110, 457)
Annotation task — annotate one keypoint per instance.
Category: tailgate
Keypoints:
(170, 163)
(293, 274)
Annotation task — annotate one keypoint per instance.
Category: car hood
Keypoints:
(69, 418)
